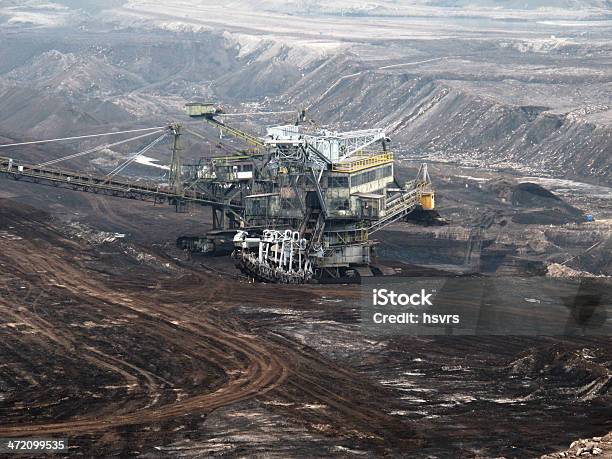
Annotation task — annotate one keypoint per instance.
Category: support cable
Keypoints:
(95, 149)
(197, 134)
(82, 137)
(135, 156)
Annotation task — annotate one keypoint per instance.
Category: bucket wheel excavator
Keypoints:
(297, 205)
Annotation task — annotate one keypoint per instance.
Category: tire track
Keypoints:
(193, 321)
(263, 370)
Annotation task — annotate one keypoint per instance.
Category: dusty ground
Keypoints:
(158, 339)
(129, 348)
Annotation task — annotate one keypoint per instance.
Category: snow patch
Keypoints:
(152, 162)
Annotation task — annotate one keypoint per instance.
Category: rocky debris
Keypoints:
(596, 446)
(94, 237)
(559, 270)
(148, 258)
(578, 374)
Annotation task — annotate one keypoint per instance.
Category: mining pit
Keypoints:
(114, 338)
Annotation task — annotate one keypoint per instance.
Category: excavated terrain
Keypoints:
(112, 337)
(116, 340)
(505, 87)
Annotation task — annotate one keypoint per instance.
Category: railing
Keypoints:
(401, 206)
(356, 236)
(248, 138)
(362, 162)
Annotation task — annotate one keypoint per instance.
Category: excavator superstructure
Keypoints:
(311, 198)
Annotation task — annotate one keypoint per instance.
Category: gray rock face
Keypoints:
(531, 92)
(442, 117)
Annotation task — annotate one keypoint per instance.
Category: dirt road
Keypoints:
(162, 344)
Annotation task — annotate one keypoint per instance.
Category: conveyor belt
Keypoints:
(139, 190)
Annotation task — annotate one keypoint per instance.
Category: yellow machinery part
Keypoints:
(360, 163)
(428, 201)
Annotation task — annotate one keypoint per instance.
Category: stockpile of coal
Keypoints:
(534, 204)
(426, 217)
